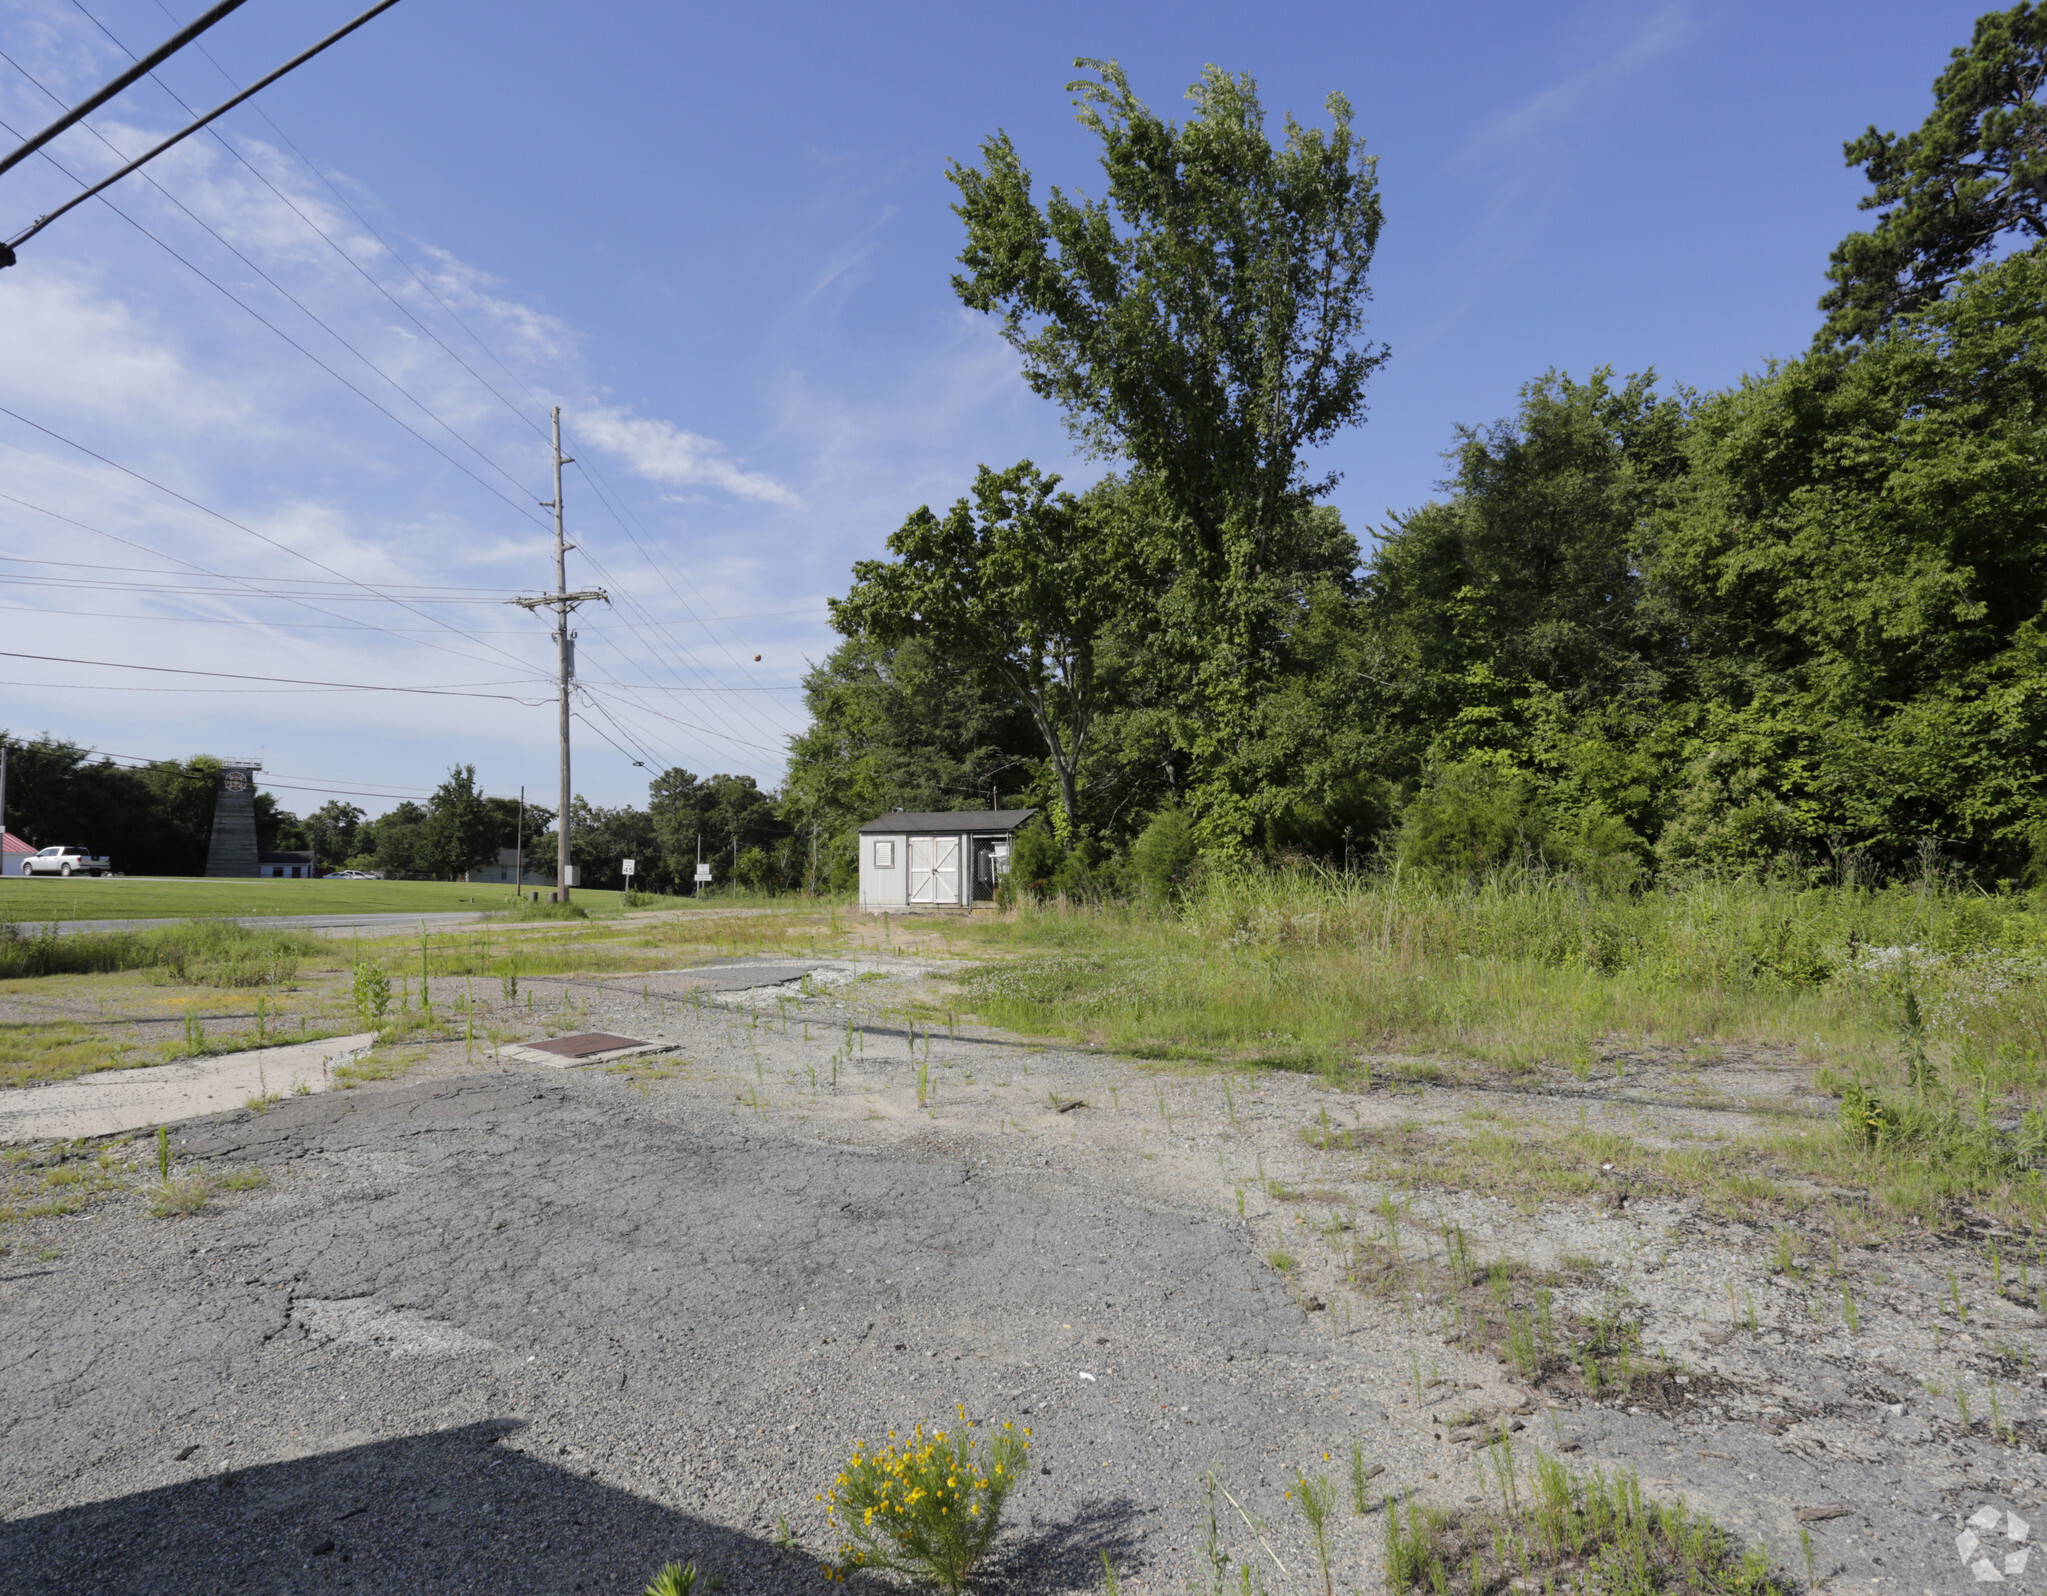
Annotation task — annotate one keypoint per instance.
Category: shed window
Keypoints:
(884, 856)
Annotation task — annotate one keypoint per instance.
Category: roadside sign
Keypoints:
(626, 866)
(704, 873)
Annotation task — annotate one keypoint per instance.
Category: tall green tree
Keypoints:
(459, 832)
(1968, 181)
(1859, 561)
(155, 819)
(1205, 322)
(332, 829)
(601, 839)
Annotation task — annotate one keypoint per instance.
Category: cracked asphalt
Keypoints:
(511, 1328)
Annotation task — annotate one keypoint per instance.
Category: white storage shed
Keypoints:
(952, 858)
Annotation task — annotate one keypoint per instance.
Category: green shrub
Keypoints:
(1473, 818)
(677, 1579)
(371, 991)
(929, 1509)
(1164, 853)
(545, 909)
(1563, 1531)
(1034, 859)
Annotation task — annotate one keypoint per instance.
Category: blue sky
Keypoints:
(720, 239)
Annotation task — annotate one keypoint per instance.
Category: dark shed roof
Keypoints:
(943, 820)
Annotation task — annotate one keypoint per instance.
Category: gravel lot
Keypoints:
(511, 1328)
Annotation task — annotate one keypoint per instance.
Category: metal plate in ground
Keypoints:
(586, 1047)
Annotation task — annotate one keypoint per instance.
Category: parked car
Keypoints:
(65, 861)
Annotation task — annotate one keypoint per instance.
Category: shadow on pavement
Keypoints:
(453, 1511)
(444, 1511)
(1067, 1555)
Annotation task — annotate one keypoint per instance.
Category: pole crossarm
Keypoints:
(544, 601)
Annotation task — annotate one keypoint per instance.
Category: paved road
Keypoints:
(283, 922)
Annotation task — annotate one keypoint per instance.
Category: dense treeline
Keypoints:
(1794, 627)
(158, 820)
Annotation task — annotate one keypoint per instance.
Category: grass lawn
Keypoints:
(40, 899)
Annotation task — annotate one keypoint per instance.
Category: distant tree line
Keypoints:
(157, 819)
(153, 819)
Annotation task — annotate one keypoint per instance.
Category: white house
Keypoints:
(951, 858)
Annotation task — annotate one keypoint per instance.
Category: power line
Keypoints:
(427, 287)
(7, 256)
(598, 482)
(236, 299)
(91, 103)
(228, 520)
(459, 691)
(496, 595)
(332, 242)
(595, 477)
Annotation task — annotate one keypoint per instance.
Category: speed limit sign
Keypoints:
(626, 866)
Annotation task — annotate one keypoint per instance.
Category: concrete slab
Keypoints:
(573, 1052)
(111, 1101)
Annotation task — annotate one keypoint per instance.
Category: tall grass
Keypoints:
(1931, 998)
(1312, 968)
(205, 952)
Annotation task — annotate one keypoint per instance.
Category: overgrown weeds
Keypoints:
(203, 952)
(1319, 968)
(545, 909)
(1559, 1531)
(1927, 998)
(1515, 1312)
(179, 1195)
(66, 1178)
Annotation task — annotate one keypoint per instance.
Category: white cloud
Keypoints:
(662, 452)
(1511, 133)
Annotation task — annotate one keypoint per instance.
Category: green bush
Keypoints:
(1473, 819)
(929, 1509)
(545, 909)
(1034, 859)
(1164, 853)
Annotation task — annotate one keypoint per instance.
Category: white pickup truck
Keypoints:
(65, 862)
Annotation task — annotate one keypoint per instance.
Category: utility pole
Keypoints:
(562, 602)
(3, 787)
(519, 848)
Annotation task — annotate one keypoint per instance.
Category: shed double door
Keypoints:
(934, 870)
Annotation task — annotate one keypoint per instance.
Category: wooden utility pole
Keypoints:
(562, 602)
